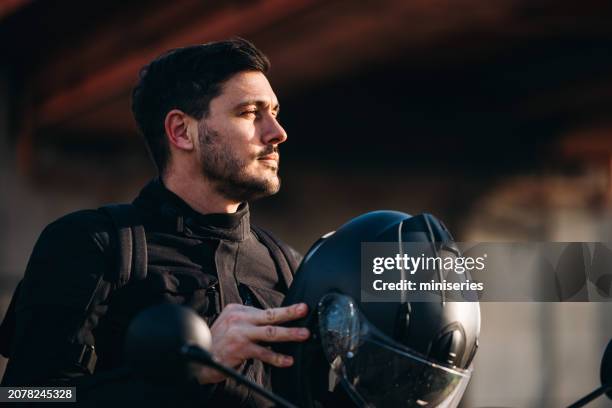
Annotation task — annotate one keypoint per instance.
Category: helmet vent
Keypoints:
(449, 347)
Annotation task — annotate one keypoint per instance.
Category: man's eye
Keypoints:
(248, 113)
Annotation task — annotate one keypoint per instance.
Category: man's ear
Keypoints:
(181, 129)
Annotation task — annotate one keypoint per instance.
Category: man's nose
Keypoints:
(273, 133)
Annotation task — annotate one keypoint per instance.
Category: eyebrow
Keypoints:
(259, 103)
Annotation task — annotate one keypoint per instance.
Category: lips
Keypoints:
(273, 157)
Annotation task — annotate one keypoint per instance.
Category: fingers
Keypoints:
(278, 314)
(238, 330)
(270, 357)
(277, 333)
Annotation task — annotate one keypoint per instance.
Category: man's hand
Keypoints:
(238, 330)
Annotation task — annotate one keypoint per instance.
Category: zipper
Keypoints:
(214, 300)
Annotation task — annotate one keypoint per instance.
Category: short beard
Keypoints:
(227, 172)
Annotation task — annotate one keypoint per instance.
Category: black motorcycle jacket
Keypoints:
(67, 304)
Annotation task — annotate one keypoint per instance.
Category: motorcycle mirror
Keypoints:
(155, 337)
(605, 374)
(164, 341)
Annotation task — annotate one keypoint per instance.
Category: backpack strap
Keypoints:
(132, 242)
(131, 264)
(284, 257)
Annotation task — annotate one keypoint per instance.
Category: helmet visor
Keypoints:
(375, 370)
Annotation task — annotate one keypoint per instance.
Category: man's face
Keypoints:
(239, 138)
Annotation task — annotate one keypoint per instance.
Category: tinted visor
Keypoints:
(375, 370)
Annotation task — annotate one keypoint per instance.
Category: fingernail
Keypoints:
(302, 307)
(304, 333)
(287, 361)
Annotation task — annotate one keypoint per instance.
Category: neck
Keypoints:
(199, 194)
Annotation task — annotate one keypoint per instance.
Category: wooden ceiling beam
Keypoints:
(112, 80)
(8, 7)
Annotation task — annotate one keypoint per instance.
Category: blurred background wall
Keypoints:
(494, 116)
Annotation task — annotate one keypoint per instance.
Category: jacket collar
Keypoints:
(163, 205)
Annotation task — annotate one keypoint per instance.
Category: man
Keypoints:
(209, 118)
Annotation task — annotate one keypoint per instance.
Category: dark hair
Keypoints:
(187, 79)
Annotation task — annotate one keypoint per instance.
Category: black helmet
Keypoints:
(410, 354)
